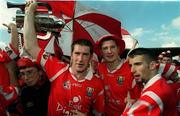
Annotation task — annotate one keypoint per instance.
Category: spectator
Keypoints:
(167, 57)
(160, 57)
(35, 92)
(176, 62)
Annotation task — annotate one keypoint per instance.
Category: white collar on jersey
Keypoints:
(152, 81)
(89, 75)
(118, 67)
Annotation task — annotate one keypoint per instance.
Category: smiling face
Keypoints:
(30, 75)
(80, 58)
(110, 51)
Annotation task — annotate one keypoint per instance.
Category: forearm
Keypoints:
(30, 40)
(14, 37)
(11, 66)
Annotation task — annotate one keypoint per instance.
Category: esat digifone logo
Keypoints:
(120, 80)
(89, 91)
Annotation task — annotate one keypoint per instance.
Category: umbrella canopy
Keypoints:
(129, 40)
(82, 22)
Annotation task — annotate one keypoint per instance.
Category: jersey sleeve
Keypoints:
(167, 70)
(146, 105)
(8, 54)
(8, 95)
(51, 65)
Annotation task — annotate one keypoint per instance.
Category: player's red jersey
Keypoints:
(67, 93)
(176, 88)
(157, 99)
(8, 94)
(8, 54)
(118, 84)
(4, 79)
(5, 56)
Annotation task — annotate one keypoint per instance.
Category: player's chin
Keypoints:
(30, 84)
(138, 80)
(81, 70)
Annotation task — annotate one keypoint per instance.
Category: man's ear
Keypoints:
(153, 65)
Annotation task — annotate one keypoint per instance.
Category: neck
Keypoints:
(79, 75)
(151, 75)
(113, 65)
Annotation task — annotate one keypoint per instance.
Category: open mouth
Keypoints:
(80, 65)
(137, 77)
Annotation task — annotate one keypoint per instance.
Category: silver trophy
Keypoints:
(44, 22)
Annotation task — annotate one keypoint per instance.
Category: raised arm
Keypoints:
(30, 40)
(14, 35)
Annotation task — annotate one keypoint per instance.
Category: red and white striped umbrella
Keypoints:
(82, 22)
(129, 40)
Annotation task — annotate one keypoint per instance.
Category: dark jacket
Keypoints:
(35, 99)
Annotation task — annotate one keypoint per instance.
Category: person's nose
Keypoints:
(132, 69)
(26, 77)
(109, 50)
(80, 57)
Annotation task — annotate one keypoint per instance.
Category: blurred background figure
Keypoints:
(176, 62)
(167, 57)
(160, 57)
(35, 90)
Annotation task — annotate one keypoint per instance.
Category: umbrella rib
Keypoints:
(89, 25)
(68, 28)
(86, 26)
(81, 23)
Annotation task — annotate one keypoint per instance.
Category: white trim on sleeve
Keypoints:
(59, 73)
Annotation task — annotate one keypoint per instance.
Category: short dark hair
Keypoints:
(108, 39)
(83, 42)
(143, 51)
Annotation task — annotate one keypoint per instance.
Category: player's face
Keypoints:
(110, 51)
(140, 68)
(30, 75)
(80, 58)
